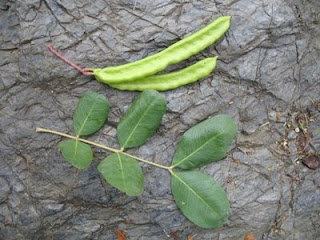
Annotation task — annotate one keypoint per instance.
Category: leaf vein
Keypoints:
(122, 173)
(138, 123)
(195, 193)
(75, 150)
(86, 119)
(198, 149)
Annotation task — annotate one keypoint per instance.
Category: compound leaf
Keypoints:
(77, 153)
(200, 198)
(204, 143)
(123, 173)
(91, 113)
(142, 118)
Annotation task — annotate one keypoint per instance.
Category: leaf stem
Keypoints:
(84, 71)
(44, 130)
(145, 161)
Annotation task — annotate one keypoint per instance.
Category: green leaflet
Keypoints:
(142, 118)
(200, 198)
(77, 153)
(204, 143)
(91, 113)
(123, 173)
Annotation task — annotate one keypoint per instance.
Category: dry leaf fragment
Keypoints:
(249, 236)
(174, 235)
(189, 237)
(278, 117)
(6, 223)
(121, 235)
(236, 161)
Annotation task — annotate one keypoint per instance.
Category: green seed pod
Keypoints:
(176, 53)
(171, 80)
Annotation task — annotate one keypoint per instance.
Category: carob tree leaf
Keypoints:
(204, 143)
(200, 198)
(141, 119)
(91, 113)
(77, 153)
(123, 173)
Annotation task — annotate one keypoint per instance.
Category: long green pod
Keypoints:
(172, 80)
(175, 53)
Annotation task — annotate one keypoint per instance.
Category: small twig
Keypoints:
(84, 71)
(44, 130)
(265, 124)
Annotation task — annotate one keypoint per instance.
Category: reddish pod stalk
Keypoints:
(84, 71)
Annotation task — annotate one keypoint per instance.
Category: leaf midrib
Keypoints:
(86, 119)
(75, 151)
(195, 193)
(122, 173)
(186, 158)
(142, 116)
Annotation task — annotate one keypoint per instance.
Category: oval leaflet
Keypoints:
(200, 198)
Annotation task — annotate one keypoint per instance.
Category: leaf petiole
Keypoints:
(44, 130)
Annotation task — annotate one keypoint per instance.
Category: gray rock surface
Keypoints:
(267, 79)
